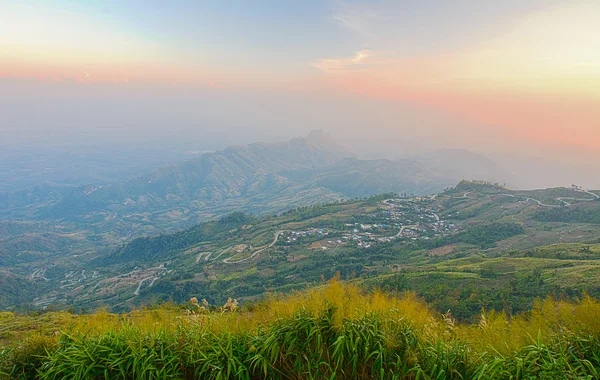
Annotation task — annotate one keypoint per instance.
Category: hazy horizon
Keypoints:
(515, 81)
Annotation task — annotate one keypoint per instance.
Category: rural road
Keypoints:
(540, 203)
(533, 199)
(405, 227)
(560, 199)
(206, 256)
(137, 291)
(228, 260)
(222, 252)
(590, 193)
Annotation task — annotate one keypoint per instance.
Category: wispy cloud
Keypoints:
(355, 23)
(552, 52)
(361, 55)
(343, 65)
(539, 74)
(357, 19)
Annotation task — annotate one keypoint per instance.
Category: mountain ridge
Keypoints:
(233, 172)
(311, 164)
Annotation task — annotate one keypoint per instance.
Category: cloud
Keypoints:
(354, 23)
(537, 77)
(361, 55)
(340, 66)
(551, 52)
(356, 19)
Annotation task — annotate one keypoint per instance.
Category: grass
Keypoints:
(336, 331)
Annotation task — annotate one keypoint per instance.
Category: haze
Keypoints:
(135, 85)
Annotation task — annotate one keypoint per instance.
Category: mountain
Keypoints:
(477, 244)
(464, 164)
(15, 289)
(18, 203)
(361, 178)
(49, 229)
(257, 178)
(262, 177)
(234, 174)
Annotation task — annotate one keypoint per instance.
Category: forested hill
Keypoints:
(257, 178)
(472, 246)
(62, 224)
(245, 173)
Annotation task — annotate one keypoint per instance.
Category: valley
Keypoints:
(50, 229)
(298, 190)
(472, 246)
(255, 220)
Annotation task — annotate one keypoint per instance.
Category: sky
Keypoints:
(520, 75)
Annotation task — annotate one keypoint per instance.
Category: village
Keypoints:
(399, 219)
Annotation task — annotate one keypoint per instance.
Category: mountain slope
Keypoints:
(359, 178)
(246, 176)
(464, 164)
(479, 237)
(236, 172)
(260, 178)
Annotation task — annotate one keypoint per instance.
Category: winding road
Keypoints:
(228, 260)
(137, 291)
(405, 227)
(436, 216)
(222, 252)
(590, 193)
(560, 199)
(540, 203)
(206, 256)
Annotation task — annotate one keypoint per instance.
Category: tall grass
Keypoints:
(331, 332)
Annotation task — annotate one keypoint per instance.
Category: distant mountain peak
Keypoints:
(323, 140)
(318, 133)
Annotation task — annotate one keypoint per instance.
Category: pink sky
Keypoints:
(532, 76)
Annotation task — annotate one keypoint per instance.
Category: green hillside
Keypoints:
(55, 233)
(474, 246)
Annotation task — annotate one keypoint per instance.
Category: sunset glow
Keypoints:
(174, 173)
(532, 71)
